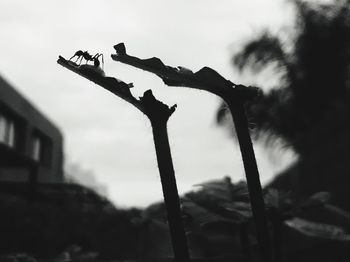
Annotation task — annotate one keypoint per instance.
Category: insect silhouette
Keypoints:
(80, 55)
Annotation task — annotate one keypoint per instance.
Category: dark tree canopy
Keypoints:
(314, 88)
(310, 109)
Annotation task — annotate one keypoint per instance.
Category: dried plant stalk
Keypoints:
(235, 96)
(158, 114)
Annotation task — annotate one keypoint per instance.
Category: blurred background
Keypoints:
(61, 130)
(107, 143)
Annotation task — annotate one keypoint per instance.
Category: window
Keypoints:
(37, 148)
(3, 128)
(41, 148)
(7, 131)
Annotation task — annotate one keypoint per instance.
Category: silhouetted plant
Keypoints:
(235, 96)
(221, 211)
(158, 114)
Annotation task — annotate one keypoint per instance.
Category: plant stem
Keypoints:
(209, 80)
(158, 113)
(236, 107)
(171, 197)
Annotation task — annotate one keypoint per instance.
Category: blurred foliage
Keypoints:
(58, 216)
(71, 223)
(310, 109)
(315, 73)
(219, 224)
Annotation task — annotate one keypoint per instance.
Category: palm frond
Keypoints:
(259, 52)
(221, 113)
(270, 117)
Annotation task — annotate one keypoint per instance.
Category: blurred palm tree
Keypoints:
(310, 109)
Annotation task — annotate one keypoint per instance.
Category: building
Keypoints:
(31, 147)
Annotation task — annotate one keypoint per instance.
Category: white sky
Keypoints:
(106, 135)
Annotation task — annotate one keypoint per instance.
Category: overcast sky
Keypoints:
(104, 134)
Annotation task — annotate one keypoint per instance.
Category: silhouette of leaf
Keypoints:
(210, 76)
(238, 209)
(206, 78)
(155, 63)
(259, 52)
(229, 201)
(222, 113)
(318, 230)
(278, 200)
(218, 188)
(96, 75)
(327, 214)
(200, 214)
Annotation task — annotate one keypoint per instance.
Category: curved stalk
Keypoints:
(158, 114)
